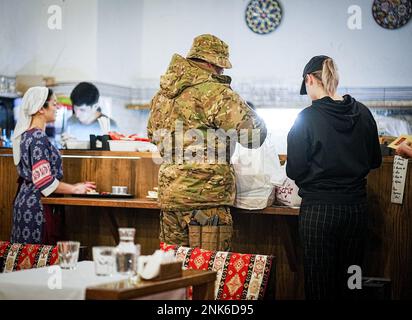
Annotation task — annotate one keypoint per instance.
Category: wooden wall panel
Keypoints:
(105, 172)
(146, 176)
(8, 188)
(257, 233)
(389, 245)
(92, 226)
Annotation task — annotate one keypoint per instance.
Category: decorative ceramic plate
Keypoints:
(263, 16)
(392, 14)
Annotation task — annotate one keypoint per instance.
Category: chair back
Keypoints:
(17, 256)
(239, 276)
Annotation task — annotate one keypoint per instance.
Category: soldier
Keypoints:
(195, 99)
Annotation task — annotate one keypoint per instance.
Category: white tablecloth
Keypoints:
(44, 284)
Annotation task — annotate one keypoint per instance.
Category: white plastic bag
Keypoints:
(257, 171)
(287, 194)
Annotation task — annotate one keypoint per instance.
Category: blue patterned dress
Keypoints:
(39, 169)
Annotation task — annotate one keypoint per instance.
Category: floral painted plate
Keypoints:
(392, 14)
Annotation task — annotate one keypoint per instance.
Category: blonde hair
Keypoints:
(328, 76)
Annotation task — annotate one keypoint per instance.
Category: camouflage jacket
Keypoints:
(191, 105)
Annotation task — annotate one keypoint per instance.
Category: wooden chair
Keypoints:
(17, 256)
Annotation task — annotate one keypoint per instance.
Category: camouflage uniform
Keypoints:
(196, 98)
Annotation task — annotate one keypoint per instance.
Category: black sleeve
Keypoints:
(375, 155)
(299, 150)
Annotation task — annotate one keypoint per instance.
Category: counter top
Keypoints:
(102, 202)
(126, 155)
(148, 204)
(94, 153)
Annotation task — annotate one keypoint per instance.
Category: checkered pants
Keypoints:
(333, 239)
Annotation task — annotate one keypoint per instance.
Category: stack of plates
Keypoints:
(77, 144)
(125, 145)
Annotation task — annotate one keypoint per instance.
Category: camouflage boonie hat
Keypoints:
(211, 49)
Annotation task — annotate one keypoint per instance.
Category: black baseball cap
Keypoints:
(314, 64)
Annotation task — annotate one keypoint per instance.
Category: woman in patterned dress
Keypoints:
(39, 166)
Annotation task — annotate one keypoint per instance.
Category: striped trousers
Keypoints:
(332, 237)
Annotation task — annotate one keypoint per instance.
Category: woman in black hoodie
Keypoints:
(332, 146)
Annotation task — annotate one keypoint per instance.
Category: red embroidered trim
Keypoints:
(41, 173)
(43, 182)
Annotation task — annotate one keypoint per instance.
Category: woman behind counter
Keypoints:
(332, 146)
(39, 167)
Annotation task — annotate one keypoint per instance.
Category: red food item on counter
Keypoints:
(135, 137)
(132, 137)
(115, 135)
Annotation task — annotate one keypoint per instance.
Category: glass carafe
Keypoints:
(127, 252)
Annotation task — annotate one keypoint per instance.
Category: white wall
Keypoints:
(372, 56)
(16, 45)
(119, 34)
(69, 54)
(125, 41)
(32, 48)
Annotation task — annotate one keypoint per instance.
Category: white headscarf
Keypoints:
(33, 100)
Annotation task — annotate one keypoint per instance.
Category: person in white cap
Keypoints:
(39, 167)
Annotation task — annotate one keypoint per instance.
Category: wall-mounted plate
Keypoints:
(392, 14)
(263, 16)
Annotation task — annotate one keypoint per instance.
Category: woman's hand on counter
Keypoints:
(83, 187)
(78, 188)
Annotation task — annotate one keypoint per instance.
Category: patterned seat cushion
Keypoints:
(239, 276)
(18, 256)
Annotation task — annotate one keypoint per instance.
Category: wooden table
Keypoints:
(203, 283)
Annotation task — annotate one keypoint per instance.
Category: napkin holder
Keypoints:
(104, 140)
(169, 270)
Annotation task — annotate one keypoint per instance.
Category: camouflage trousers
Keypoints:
(174, 225)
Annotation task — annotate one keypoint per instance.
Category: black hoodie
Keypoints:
(332, 146)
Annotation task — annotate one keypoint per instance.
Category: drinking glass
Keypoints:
(68, 254)
(104, 260)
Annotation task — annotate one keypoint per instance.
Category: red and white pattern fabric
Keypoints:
(167, 247)
(19, 256)
(239, 276)
(41, 173)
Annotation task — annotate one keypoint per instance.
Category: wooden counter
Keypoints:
(109, 203)
(149, 204)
